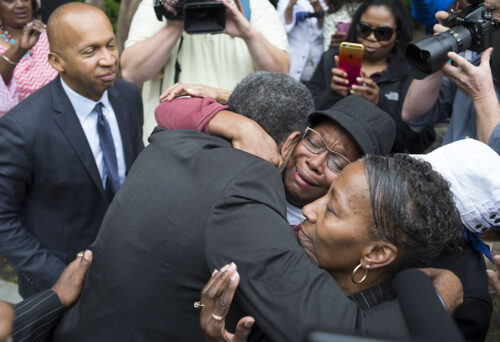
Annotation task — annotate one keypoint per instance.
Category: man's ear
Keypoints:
(288, 146)
(378, 254)
(56, 61)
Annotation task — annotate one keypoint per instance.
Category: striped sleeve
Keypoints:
(35, 317)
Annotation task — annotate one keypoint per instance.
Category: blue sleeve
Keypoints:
(424, 11)
(494, 141)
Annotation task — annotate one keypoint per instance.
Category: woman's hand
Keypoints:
(216, 298)
(339, 78)
(367, 88)
(195, 90)
(316, 5)
(31, 33)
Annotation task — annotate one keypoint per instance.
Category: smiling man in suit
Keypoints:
(65, 150)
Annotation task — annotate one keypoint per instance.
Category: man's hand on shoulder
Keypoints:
(70, 283)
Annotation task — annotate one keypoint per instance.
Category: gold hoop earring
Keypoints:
(363, 277)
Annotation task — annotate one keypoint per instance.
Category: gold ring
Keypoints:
(217, 317)
(80, 254)
(198, 305)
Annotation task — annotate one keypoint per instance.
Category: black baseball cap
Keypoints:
(373, 129)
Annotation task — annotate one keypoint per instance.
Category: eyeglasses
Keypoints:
(382, 33)
(315, 143)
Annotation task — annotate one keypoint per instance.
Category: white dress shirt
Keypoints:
(84, 109)
(305, 39)
(294, 214)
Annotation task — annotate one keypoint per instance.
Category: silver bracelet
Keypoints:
(9, 61)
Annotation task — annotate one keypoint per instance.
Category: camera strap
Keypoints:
(177, 64)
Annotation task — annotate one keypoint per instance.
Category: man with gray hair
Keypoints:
(191, 204)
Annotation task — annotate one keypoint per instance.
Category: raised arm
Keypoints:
(12, 56)
(147, 54)
(265, 56)
(208, 116)
(427, 89)
(477, 83)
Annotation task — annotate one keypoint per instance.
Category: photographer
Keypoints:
(220, 60)
(468, 95)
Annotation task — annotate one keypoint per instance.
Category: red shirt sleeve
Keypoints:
(188, 113)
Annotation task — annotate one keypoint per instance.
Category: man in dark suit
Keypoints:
(191, 204)
(64, 151)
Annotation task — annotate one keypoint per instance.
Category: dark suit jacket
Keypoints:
(190, 204)
(473, 315)
(51, 197)
(35, 317)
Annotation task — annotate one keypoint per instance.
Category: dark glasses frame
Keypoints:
(382, 33)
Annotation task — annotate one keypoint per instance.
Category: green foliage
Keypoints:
(112, 10)
(7, 272)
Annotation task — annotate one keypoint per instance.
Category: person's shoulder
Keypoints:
(184, 138)
(200, 145)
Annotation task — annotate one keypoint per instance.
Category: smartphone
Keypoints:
(350, 59)
(343, 26)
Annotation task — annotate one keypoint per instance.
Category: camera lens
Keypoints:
(429, 54)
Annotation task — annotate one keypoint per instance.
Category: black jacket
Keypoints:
(191, 204)
(393, 83)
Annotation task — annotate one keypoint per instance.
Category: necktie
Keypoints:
(108, 150)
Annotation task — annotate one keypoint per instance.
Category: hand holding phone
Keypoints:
(350, 60)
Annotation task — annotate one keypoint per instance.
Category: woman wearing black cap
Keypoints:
(384, 28)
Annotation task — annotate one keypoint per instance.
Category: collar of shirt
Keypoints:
(294, 214)
(83, 106)
(84, 109)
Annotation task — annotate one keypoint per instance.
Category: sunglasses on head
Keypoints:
(382, 33)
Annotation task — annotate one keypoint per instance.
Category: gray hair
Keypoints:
(277, 102)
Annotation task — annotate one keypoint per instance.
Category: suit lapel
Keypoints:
(70, 126)
(121, 111)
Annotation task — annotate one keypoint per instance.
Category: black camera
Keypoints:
(199, 16)
(472, 28)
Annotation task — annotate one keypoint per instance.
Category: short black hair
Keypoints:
(413, 208)
(400, 13)
(277, 102)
